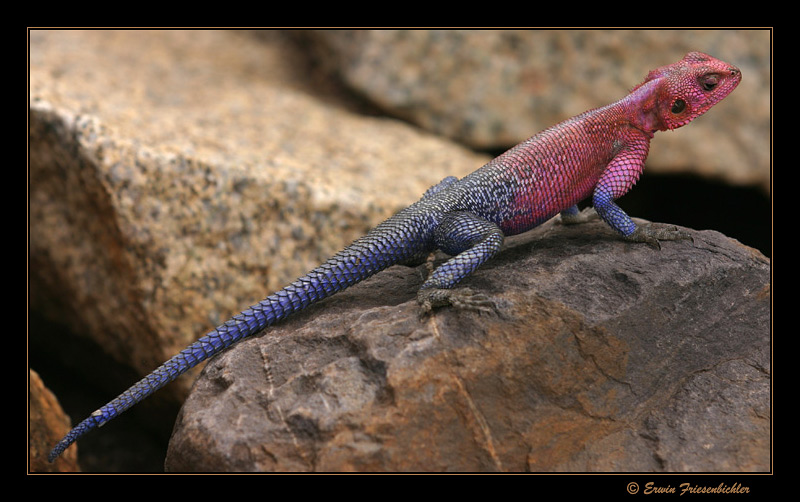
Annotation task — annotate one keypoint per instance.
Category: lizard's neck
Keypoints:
(641, 108)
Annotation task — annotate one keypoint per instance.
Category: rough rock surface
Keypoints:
(47, 424)
(492, 88)
(602, 356)
(157, 211)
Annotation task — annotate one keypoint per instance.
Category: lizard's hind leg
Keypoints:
(470, 240)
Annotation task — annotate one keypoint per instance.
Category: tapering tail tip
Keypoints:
(59, 449)
(78, 431)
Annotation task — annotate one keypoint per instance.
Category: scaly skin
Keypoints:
(598, 154)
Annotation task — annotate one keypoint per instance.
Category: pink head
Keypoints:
(687, 89)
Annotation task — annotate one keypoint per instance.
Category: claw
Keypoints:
(653, 233)
(462, 298)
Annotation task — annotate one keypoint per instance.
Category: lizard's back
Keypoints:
(547, 173)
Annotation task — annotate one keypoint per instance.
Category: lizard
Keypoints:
(599, 154)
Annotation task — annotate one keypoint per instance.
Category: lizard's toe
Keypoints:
(461, 298)
(653, 233)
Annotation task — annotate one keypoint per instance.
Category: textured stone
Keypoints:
(494, 88)
(603, 356)
(47, 424)
(175, 178)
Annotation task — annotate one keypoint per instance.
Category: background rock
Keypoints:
(603, 356)
(158, 210)
(47, 424)
(492, 89)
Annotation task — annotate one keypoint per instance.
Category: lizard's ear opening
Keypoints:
(680, 112)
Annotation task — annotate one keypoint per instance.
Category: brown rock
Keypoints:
(602, 356)
(177, 177)
(47, 424)
(494, 88)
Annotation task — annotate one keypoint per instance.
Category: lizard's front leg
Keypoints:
(618, 177)
(470, 240)
(650, 233)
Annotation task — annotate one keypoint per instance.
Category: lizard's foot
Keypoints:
(588, 214)
(462, 298)
(652, 233)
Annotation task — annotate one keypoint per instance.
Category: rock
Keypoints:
(602, 356)
(492, 89)
(176, 177)
(47, 424)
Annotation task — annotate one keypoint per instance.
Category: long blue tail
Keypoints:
(396, 240)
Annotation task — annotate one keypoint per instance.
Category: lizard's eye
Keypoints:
(709, 82)
(678, 106)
